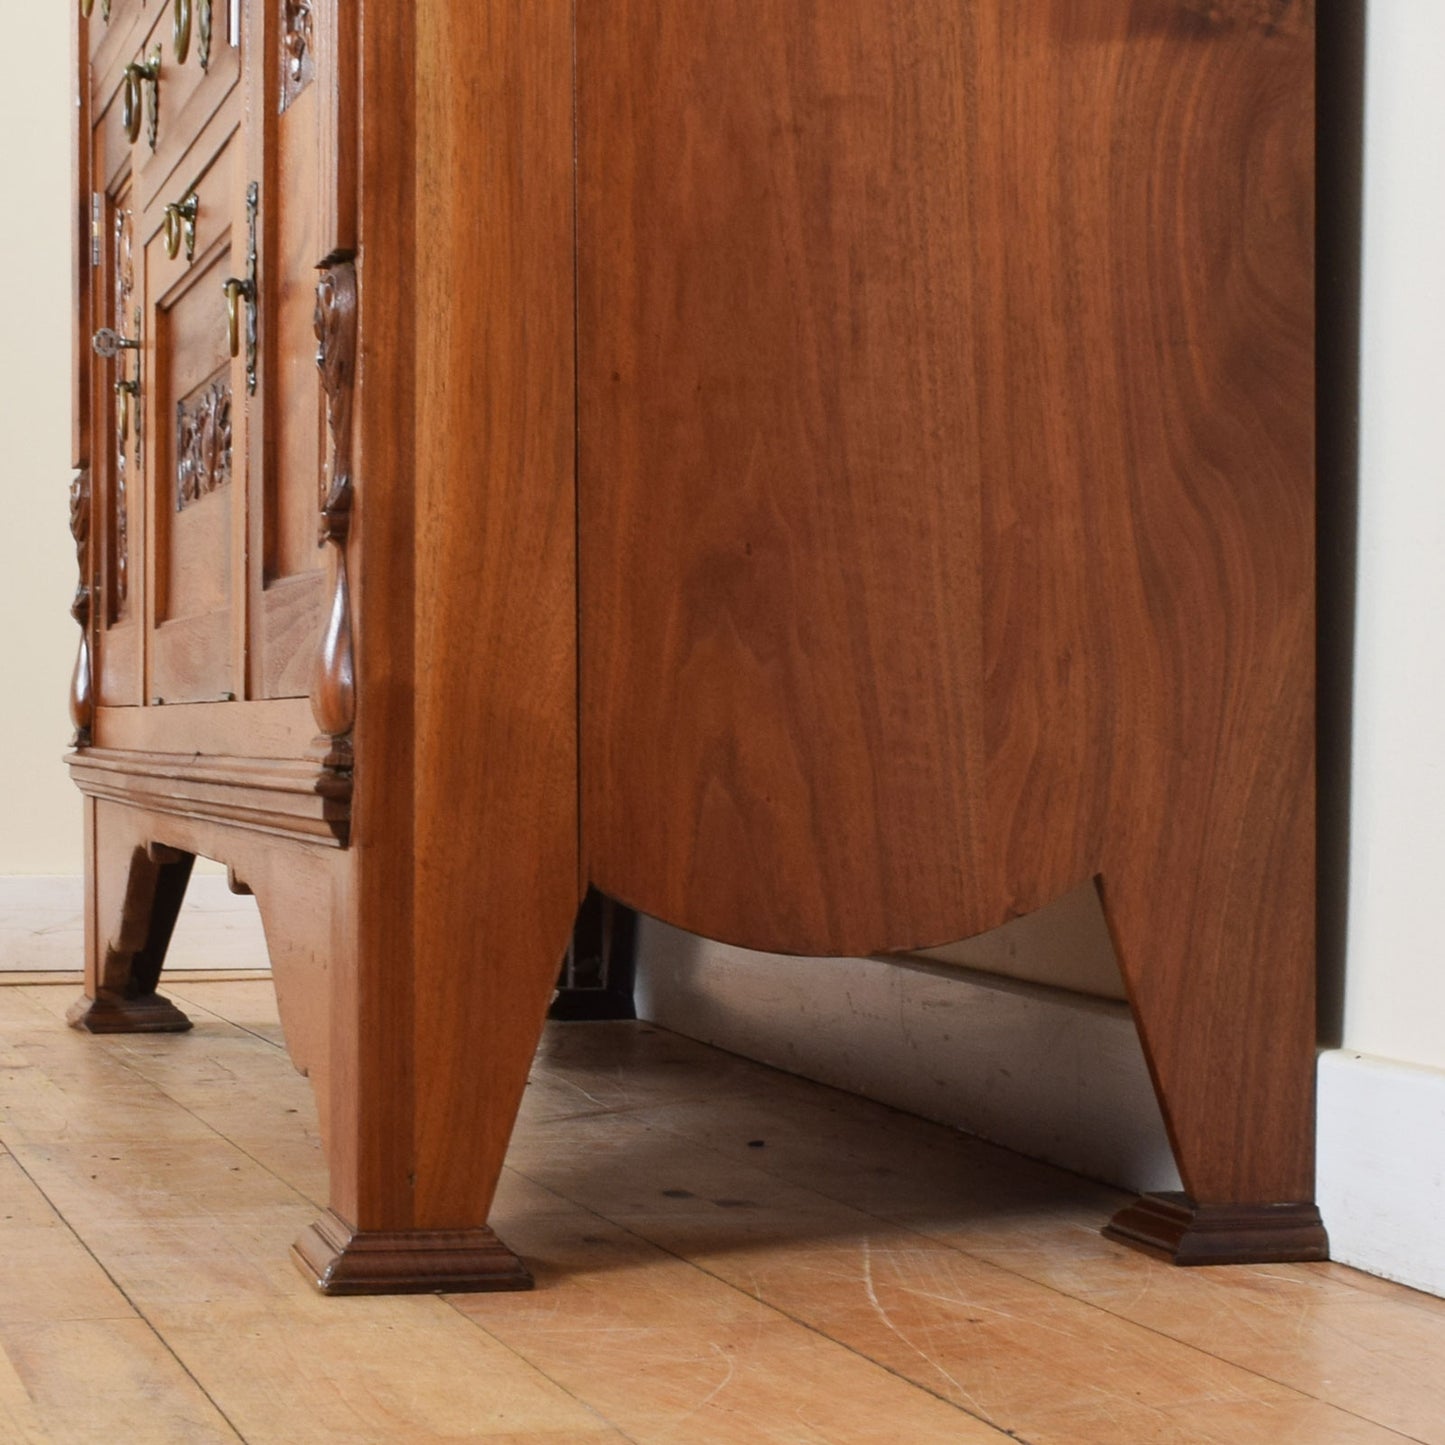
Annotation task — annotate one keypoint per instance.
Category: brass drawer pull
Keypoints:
(236, 291)
(138, 75)
(125, 393)
(181, 30)
(181, 226)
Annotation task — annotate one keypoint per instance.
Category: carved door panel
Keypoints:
(202, 347)
(159, 100)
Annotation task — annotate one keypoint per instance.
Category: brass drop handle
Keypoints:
(86, 6)
(138, 74)
(236, 291)
(124, 391)
(181, 30)
(181, 226)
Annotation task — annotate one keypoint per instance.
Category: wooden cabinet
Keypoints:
(835, 476)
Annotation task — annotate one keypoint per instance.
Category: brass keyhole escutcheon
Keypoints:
(181, 226)
(109, 344)
(181, 30)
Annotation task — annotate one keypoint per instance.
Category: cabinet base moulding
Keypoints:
(151, 1013)
(339, 1260)
(1190, 1233)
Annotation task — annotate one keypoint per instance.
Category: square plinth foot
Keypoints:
(113, 1014)
(1190, 1233)
(339, 1260)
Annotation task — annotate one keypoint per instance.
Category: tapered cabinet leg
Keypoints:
(1226, 1019)
(421, 1105)
(135, 890)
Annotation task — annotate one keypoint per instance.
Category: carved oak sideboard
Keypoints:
(833, 474)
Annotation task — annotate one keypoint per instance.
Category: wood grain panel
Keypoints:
(780, 470)
(495, 800)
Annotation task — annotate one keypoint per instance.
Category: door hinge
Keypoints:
(97, 210)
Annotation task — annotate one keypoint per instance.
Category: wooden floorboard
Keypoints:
(723, 1253)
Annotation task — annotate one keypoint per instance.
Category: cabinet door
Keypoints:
(209, 476)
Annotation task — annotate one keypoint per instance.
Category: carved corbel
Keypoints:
(333, 693)
(82, 692)
(298, 48)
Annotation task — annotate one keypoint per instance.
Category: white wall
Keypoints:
(1382, 1095)
(39, 809)
(1395, 977)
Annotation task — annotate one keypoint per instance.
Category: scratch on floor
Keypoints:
(716, 1389)
(922, 1354)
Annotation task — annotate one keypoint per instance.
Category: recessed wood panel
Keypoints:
(297, 401)
(288, 597)
(194, 462)
(188, 96)
(198, 409)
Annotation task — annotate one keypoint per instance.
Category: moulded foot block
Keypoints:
(339, 1260)
(113, 1014)
(1191, 1233)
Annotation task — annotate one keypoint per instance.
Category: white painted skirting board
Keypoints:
(1055, 1075)
(1381, 1173)
(42, 926)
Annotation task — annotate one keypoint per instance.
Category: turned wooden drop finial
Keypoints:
(82, 695)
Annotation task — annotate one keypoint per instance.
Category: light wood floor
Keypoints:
(723, 1254)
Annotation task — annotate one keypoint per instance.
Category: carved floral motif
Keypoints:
(298, 48)
(333, 693)
(206, 25)
(335, 322)
(203, 442)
